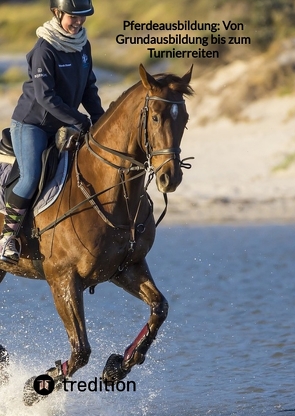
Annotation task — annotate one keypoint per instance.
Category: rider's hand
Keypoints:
(85, 126)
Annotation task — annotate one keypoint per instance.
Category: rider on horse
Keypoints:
(60, 79)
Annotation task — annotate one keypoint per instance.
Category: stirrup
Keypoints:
(15, 256)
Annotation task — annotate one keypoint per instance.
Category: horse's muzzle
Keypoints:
(168, 181)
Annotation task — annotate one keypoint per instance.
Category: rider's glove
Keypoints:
(85, 126)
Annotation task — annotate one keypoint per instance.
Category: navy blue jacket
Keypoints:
(58, 83)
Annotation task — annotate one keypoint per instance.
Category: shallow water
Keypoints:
(227, 347)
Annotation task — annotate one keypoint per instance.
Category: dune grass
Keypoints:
(289, 160)
(19, 20)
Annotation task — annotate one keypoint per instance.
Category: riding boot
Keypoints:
(10, 245)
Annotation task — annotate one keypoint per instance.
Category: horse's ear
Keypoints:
(148, 80)
(188, 76)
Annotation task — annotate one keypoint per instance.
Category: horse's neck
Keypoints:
(118, 128)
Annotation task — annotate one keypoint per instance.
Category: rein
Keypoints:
(145, 167)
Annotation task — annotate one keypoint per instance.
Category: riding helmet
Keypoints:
(73, 7)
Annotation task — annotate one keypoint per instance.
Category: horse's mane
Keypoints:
(171, 81)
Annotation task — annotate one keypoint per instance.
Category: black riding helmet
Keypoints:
(73, 7)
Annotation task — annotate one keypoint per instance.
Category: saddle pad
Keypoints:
(51, 190)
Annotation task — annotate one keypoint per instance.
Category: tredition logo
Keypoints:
(44, 384)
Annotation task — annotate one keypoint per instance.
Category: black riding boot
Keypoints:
(10, 246)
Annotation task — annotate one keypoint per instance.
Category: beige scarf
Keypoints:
(60, 39)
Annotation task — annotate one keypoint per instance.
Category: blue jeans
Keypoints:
(28, 143)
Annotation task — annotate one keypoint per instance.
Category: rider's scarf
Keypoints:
(60, 39)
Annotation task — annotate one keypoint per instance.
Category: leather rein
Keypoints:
(143, 168)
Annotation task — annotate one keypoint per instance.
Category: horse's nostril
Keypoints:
(164, 179)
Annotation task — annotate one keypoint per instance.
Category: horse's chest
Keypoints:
(111, 252)
(136, 246)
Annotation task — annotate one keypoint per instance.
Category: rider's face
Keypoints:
(72, 24)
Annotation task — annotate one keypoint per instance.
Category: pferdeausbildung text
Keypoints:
(99, 385)
(181, 34)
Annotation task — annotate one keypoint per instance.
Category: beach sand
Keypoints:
(240, 172)
(236, 174)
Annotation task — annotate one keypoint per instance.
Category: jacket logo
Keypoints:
(40, 73)
(85, 62)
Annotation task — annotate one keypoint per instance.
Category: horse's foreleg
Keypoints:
(136, 352)
(68, 299)
(138, 281)
(67, 293)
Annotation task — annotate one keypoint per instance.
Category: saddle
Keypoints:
(5, 143)
(50, 158)
(66, 138)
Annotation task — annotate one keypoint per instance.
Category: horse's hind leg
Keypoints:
(138, 281)
(4, 358)
(4, 361)
(2, 275)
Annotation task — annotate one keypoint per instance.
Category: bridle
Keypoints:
(143, 131)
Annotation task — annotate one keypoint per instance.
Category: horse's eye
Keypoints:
(155, 118)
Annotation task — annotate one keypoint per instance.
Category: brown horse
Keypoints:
(105, 232)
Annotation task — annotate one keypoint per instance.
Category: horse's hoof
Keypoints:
(113, 370)
(30, 396)
(38, 388)
(4, 362)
